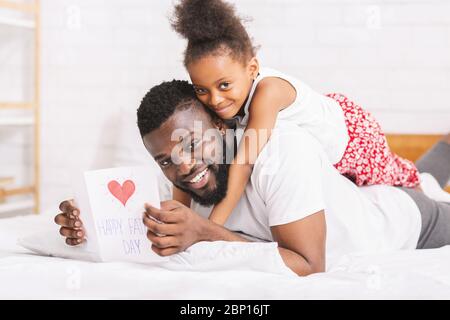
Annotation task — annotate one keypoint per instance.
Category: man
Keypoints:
(295, 196)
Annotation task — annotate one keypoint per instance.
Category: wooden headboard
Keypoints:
(412, 146)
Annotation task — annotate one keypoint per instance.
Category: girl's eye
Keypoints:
(224, 85)
(199, 91)
(191, 147)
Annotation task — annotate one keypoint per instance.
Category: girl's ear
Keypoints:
(220, 125)
(253, 67)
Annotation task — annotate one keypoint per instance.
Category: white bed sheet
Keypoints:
(420, 274)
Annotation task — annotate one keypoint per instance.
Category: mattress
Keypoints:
(415, 274)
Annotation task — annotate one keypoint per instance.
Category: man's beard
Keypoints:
(211, 197)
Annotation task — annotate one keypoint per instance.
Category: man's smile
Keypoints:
(198, 179)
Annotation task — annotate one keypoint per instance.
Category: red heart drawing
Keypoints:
(121, 192)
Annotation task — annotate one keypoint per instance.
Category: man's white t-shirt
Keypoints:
(293, 178)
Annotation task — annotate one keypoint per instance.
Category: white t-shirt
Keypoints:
(293, 178)
(318, 114)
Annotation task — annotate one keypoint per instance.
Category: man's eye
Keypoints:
(164, 163)
(224, 85)
(199, 91)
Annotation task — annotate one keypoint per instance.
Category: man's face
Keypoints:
(189, 147)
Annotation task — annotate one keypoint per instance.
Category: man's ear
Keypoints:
(253, 67)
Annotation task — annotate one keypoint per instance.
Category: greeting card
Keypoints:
(111, 203)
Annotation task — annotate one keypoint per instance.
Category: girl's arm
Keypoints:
(181, 196)
(271, 96)
(237, 180)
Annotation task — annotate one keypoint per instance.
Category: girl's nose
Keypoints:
(215, 100)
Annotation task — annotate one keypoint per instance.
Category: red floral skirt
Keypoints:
(368, 159)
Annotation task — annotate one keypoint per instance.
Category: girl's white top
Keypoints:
(322, 116)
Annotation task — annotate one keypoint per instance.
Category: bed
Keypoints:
(415, 274)
(391, 275)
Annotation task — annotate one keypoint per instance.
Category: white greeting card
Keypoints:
(111, 203)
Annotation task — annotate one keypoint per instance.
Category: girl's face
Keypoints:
(223, 83)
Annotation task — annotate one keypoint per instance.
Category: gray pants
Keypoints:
(435, 231)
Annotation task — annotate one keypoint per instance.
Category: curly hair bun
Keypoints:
(205, 20)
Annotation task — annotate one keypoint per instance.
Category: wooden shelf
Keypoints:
(16, 121)
(17, 6)
(18, 191)
(15, 22)
(17, 105)
(5, 193)
(6, 180)
(32, 21)
(16, 206)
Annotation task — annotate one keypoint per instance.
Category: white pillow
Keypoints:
(51, 243)
(130, 150)
(203, 256)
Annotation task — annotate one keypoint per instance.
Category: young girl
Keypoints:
(227, 78)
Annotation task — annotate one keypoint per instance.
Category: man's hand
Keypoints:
(71, 225)
(180, 226)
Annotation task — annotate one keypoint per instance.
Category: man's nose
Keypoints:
(185, 167)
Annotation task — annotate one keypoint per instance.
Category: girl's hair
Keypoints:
(211, 26)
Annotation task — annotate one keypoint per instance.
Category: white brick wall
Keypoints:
(392, 56)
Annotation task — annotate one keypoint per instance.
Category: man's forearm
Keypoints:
(214, 232)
